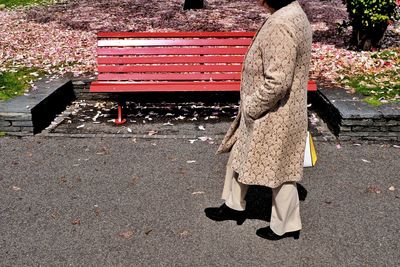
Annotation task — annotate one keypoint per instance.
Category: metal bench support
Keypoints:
(121, 105)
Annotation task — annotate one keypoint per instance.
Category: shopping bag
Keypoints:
(310, 155)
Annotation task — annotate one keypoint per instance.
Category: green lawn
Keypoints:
(379, 88)
(15, 83)
(18, 3)
(382, 86)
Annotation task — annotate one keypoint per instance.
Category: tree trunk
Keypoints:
(369, 38)
(193, 4)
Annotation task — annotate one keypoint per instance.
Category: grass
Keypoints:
(381, 86)
(21, 3)
(2, 134)
(15, 83)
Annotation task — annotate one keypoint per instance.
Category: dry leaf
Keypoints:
(63, 179)
(15, 188)
(374, 189)
(134, 180)
(55, 215)
(184, 233)
(76, 222)
(127, 234)
(97, 211)
(152, 133)
(198, 193)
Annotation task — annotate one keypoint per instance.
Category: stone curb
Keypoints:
(31, 113)
(350, 118)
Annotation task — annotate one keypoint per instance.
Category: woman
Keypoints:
(266, 141)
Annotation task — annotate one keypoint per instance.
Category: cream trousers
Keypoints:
(285, 214)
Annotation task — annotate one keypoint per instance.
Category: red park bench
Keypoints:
(171, 62)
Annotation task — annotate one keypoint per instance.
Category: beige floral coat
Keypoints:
(267, 138)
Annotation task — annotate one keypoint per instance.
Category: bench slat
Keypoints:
(173, 86)
(165, 87)
(173, 34)
(171, 51)
(181, 42)
(169, 59)
(172, 68)
(168, 77)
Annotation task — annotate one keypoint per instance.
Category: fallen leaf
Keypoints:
(76, 222)
(152, 133)
(97, 211)
(198, 193)
(127, 234)
(148, 232)
(63, 180)
(96, 116)
(55, 215)
(15, 188)
(180, 118)
(184, 233)
(373, 189)
(134, 180)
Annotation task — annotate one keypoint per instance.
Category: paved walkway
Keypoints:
(126, 202)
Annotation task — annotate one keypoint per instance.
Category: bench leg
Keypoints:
(119, 120)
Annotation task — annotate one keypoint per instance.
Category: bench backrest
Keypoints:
(157, 57)
(172, 61)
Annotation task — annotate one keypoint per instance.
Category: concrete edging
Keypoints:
(350, 118)
(347, 116)
(31, 113)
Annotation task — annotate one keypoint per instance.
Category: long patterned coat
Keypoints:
(267, 138)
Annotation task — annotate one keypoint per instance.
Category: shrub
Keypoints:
(369, 19)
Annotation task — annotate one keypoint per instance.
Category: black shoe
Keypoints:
(224, 213)
(267, 233)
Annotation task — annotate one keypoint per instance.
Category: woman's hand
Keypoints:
(248, 120)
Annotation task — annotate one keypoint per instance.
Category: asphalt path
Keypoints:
(140, 202)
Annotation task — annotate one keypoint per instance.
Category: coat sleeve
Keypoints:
(279, 52)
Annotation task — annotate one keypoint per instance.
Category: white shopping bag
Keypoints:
(310, 155)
